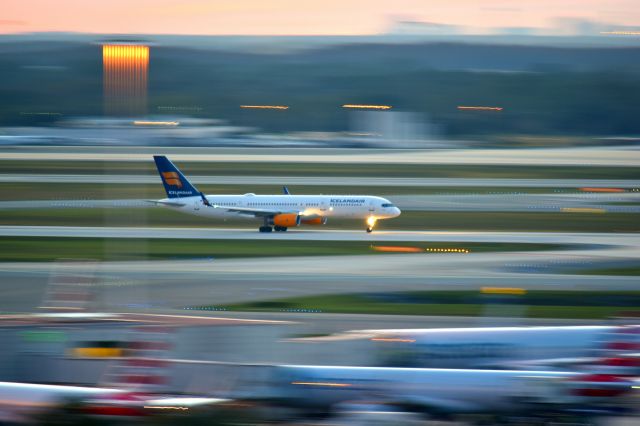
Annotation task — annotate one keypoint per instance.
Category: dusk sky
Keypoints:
(293, 17)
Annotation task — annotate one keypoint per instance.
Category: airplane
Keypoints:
(277, 212)
(596, 388)
(484, 347)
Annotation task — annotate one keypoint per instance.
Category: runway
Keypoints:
(176, 284)
(365, 181)
(591, 156)
(179, 283)
(629, 240)
(508, 202)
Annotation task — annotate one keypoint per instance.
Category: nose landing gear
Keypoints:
(371, 222)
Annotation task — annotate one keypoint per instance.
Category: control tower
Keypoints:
(125, 67)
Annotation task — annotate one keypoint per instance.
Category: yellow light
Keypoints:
(479, 108)
(155, 123)
(358, 106)
(97, 352)
(165, 407)
(447, 250)
(582, 210)
(504, 290)
(371, 221)
(588, 189)
(264, 106)
(397, 249)
(337, 385)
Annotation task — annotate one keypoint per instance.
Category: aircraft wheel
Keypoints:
(279, 228)
(265, 229)
(369, 230)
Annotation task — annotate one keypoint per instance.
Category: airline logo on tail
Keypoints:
(172, 178)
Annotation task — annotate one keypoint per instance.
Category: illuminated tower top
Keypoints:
(125, 68)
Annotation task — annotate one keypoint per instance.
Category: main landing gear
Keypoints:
(267, 227)
(371, 222)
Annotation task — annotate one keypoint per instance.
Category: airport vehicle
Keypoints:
(597, 386)
(490, 347)
(20, 401)
(277, 212)
(447, 392)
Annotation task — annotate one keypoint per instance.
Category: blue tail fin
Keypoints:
(173, 180)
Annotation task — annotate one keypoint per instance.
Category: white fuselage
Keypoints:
(493, 347)
(328, 206)
(17, 399)
(441, 389)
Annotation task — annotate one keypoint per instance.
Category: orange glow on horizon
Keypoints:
(293, 17)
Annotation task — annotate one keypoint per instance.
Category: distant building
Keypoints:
(125, 68)
(397, 129)
(409, 27)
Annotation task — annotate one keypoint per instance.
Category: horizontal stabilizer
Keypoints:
(166, 203)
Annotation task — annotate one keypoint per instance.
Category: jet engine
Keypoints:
(314, 221)
(286, 220)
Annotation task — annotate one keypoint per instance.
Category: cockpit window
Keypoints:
(388, 205)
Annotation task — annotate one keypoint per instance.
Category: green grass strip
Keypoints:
(409, 220)
(535, 304)
(324, 169)
(33, 249)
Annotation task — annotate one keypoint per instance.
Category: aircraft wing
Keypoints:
(249, 211)
(262, 212)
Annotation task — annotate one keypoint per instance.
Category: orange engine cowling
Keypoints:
(286, 220)
(314, 221)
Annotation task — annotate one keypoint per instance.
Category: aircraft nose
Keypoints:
(396, 212)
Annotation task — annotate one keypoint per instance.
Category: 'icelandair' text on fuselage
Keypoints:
(347, 201)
